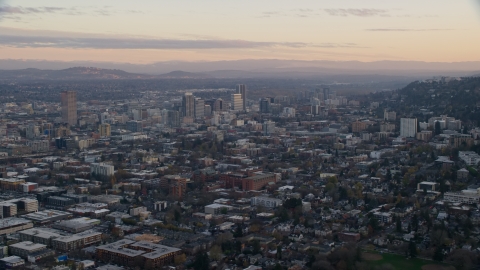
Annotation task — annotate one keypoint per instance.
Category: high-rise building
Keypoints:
(199, 108)
(389, 116)
(103, 117)
(102, 169)
(135, 126)
(268, 128)
(105, 130)
(188, 105)
(265, 105)
(32, 131)
(236, 102)
(173, 118)
(208, 110)
(219, 105)
(69, 107)
(408, 127)
(242, 90)
(326, 93)
(332, 93)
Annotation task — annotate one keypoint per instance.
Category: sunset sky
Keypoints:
(146, 31)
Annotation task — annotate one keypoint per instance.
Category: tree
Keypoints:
(279, 252)
(201, 262)
(292, 203)
(412, 249)
(399, 225)
(177, 215)
(438, 255)
(216, 253)
(311, 261)
(256, 247)
(438, 129)
(238, 232)
(358, 254)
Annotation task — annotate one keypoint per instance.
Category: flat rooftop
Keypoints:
(27, 245)
(46, 215)
(12, 221)
(43, 232)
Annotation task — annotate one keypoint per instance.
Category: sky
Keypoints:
(147, 31)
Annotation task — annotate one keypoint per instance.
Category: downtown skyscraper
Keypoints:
(242, 90)
(69, 107)
(188, 105)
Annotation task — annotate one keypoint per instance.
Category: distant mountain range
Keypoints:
(331, 71)
(90, 73)
(253, 68)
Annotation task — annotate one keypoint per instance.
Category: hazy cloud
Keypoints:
(14, 12)
(404, 30)
(134, 43)
(29, 10)
(28, 39)
(337, 45)
(359, 12)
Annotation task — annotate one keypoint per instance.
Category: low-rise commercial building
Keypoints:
(265, 202)
(13, 224)
(76, 225)
(12, 262)
(462, 197)
(47, 216)
(125, 251)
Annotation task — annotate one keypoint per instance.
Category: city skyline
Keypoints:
(214, 30)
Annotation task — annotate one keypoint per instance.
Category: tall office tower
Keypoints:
(265, 105)
(164, 114)
(268, 128)
(408, 127)
(32, 131)
(332, 93)
(208, 110)
(105, 130)
(173, 118)
(135, 126)
(219, 105)
(242, 89)
(389, 116)
(199, 108)
(69, 107)
(103, 117)
(188, 105)
(236, 102)
(326, 93)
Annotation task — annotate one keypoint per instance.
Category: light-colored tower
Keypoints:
(199, 108)
(69, 107)
(408, 127)
(242, 89)
(237, 103)
(218, 105)
(105, 130)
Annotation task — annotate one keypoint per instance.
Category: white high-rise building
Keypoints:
(268, 128)
(199, 108)
(408, 127)
(102, 169)
(236, 102)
